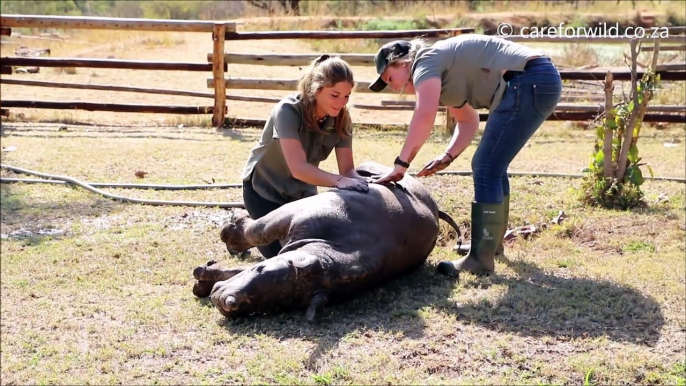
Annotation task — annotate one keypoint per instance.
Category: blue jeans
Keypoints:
(530, 97)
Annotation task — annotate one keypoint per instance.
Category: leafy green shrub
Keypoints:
(618, 186)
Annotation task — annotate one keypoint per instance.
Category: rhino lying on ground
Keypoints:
(335, 245)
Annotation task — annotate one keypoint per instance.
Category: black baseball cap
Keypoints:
(385, 56)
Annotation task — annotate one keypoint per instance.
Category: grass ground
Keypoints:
(95, 291)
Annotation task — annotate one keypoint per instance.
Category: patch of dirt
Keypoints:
(100, 223)
(34, 231)
(599, 233)
(587, 236)
(33, 227)
(198, 220)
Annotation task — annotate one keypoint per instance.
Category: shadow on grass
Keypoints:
(536, 304)
(235, 134)
(540, 304)
(23, 218)
(394, 308)
(653, 209)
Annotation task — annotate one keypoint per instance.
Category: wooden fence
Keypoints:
(216, 28)
(217, 62)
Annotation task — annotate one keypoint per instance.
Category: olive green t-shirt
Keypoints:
(470, 68)
(266, 166)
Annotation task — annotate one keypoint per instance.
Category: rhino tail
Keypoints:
(446, 217)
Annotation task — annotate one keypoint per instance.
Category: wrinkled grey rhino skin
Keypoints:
(335, 245)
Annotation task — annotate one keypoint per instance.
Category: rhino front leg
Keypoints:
(210, 273)
(242, 232)
(316, 306)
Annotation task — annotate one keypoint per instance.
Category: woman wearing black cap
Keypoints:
(518, 85)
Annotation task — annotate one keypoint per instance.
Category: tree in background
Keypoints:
(180, 9)
(292, 7)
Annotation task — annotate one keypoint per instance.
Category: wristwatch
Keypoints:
(402, 163)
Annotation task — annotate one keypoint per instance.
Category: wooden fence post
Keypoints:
(450, 122)
(5, 70)
(218, 36)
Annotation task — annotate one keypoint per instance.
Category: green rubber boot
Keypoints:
(487, 231)
(500, 250)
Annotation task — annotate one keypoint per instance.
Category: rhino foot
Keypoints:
(223, 299)
(316, 306)
(447, 268)
(233, 232)
(202, 289)
(209, 274)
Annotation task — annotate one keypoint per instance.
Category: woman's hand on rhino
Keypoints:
(396, 175)
(437, 164)
(352, 184)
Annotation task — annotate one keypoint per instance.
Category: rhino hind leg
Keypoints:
(242, 232)
(210, 273)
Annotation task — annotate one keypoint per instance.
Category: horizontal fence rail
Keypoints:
(281, 84)
(562, 107)
(81, 22)
(113, 107)
(268, 59)
(483, 117)
(142, 90)
(274, 35)
(679, 47)
(385, 104)
(106, 63)
(290, 59)
(363, 86)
